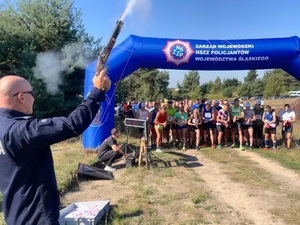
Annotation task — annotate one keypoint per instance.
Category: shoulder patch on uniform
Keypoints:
(45, 121)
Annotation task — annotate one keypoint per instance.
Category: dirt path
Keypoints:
(252, 204)
(240, 200)
(288, 179)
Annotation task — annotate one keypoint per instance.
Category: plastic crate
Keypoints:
(84, 213)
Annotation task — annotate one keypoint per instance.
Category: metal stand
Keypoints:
(151, 159)
(126, 146)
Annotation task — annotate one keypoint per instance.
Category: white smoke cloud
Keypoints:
(142, 8)
(50, 66)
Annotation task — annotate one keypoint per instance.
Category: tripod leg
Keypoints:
(141, 154)
(145, 152)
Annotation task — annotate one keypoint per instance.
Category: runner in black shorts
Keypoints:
(194, 124)
(208, 113)
(269, 119)
(258, 124)
(237, 118)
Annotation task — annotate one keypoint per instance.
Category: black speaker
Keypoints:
(94, 172)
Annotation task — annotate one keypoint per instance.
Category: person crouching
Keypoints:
(109, 150)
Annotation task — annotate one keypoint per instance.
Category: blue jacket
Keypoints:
(27, 177)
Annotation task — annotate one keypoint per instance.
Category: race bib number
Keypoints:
(272, 125)
(170, 118)
(195, 120)
(258, 117)
(207, 115)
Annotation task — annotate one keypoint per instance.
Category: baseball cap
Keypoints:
(217, 102)
(247, 104)
(143, 104)
(258, 103)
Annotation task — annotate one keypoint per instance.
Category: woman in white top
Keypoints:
(287, 117)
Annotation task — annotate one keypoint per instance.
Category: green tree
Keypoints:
(217, 86)
(162, 83)
(245, 90)
(289, 83)
(227, 92)
(29, 27)
(149, 84)
(251, 76)
(274, 85)
(257, 87)
(190, 83)
(231, 83)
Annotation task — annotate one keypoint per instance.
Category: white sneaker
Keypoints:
(108, 168)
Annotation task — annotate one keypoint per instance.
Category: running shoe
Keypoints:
(233, 145)
(198, 148)
(158, 150)
(266, 148)
(219, 146)
(274, 149)
(108, 168)
(183, 148)
(174, 145)
(213, 146)
(204, 145)
(242, 148)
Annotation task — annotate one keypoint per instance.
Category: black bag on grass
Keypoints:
(94, 172)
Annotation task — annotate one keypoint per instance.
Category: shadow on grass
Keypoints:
(114, 214)
(187, 161)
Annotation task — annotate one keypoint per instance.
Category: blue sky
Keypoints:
(194, 19)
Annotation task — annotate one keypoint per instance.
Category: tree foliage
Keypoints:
(149, 84)
(30, 27)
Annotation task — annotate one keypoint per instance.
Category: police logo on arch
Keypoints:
(178, 52)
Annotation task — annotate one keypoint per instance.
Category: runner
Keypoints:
(180, 119)
(237, 119)
(194, 124)
(143, 114)
(160, 123)
(223, 121)
(170, 130)
(269, 119)
(287, 117)
(248, 124)
(208, 114)
(258, 124)
(188, 112)
(152, 116)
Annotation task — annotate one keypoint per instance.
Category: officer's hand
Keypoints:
(101, 80)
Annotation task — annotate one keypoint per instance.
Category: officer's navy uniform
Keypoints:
(27, 178)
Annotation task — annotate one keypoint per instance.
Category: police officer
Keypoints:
(27, 178)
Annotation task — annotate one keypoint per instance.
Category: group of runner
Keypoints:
(215, 123)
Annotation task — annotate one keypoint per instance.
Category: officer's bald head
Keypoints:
(14, 94)
(10, 85)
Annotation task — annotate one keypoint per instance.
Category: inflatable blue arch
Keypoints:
(182, 54)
